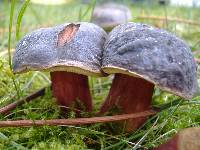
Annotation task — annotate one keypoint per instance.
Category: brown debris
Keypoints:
(67, 34)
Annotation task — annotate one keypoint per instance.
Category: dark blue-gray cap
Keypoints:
(72, 47)
(152, 54)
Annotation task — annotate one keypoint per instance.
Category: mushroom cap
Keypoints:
(152, 54)
(68, 47)
(109, 15)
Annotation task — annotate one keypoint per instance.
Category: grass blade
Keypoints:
(19, 17)
(14, 144)
(93, 4)
(9, 42)
(10, 32)
(90, 6)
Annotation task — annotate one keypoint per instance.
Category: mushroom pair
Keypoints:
(139, 55)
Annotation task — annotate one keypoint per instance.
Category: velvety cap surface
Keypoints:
(153, 54)
(68, 47)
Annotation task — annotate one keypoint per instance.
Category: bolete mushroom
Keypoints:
(70, 52)
(109, 15)
(186, 139)
(142, 56)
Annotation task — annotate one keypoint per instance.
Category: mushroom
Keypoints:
(142, 57)
(109, 15)
(186, 139)
(70, 52)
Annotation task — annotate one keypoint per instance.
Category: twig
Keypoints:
(196, 52)
(190, 22)
(77, 121)
(9, 107)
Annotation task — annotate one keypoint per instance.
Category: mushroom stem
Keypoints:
(185, 139)
(71, 90)
(129, 95)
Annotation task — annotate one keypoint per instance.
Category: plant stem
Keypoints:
(6, 109)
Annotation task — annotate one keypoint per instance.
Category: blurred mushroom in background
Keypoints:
(110, 14)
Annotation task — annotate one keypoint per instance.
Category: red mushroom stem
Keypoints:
(129, 95)
(71, 90)
(170, 145)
